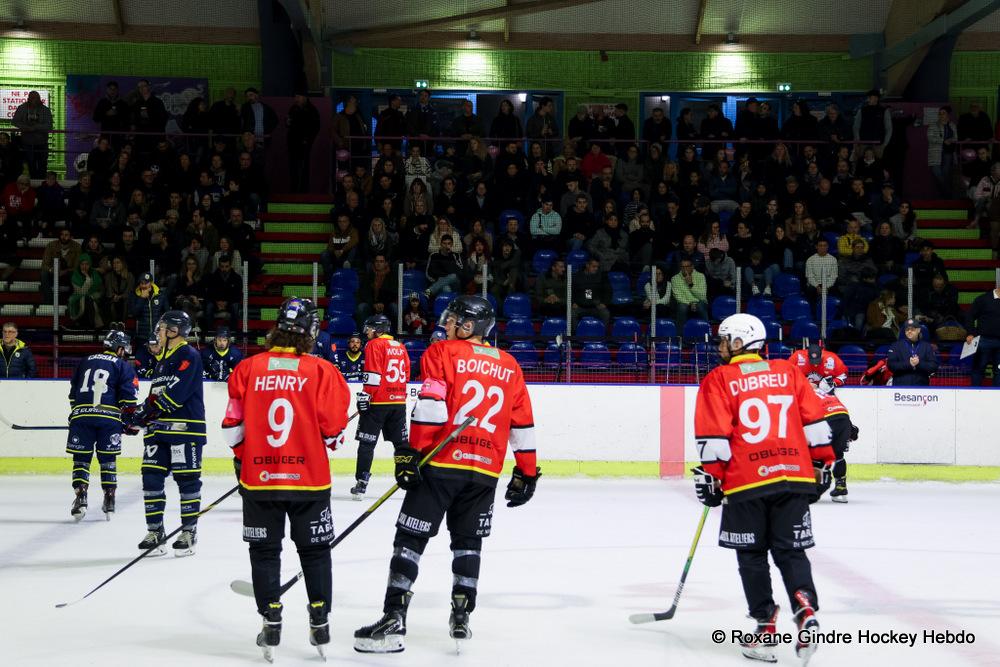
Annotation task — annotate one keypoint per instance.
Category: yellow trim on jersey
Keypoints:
(283, 487)
(461, 467)
(192, 470)
(783, 478)
(150, 465)
(115, 419)
(838, 412)
(165, 353)
(748, 356)
(164, 395)
(284, 350)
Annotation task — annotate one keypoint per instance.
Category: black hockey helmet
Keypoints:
(222, 332)
(358, 335)
(176, 319)
(298, 315)
(378, 324)
(470, 308)
(116, 339)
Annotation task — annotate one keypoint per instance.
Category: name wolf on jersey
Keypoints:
(755, 382)
(276, 382)
(485, 367)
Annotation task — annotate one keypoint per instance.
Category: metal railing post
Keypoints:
(485, 273)
(399, 298)
(739, 289)
(569, 323)
(909, 292)
(246, 297)
(822, 312)
(315, 284)
(55, 318)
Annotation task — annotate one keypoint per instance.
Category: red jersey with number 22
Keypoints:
(463, 379)
(758, 427)
(387, 370)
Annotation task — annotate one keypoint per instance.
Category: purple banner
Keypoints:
(84, 91)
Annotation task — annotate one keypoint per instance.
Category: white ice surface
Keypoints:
(560, 577)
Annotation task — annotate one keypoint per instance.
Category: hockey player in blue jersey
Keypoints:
(324, 347)
(103, 385)
(351, 361)
(174, 418)
(221, 358)
(146, 357)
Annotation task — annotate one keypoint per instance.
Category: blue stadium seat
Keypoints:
(911, 257)
(525, 354)
(340, 303)
(761, 307)
(543, 260)
(625, 327)
(441, 302)
(854, 356)
(795, 307)
(833, 325)
(341, 325)
(785, 285)
(414, 280)
(553, 355)
(723, 307)
(778, 351)
(832, 308)
(773, 328)
(667, 354)
(590, 327)
(881, 352)
(886, 278)
(519, 327)
(706, 354)
(517, 304)
(804, 328)
(640, 284)
(832, 238)
(553, 326)
(416, 348)
(632, 354)
(621, 288)
(576, 259)
(697, 329)
(595, 354)
(954, 357)
(665, 327)
(345, 279)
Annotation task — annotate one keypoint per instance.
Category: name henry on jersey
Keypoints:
(276, 382)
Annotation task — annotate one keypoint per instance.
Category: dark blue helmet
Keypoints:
(298, 315)
(472, 309)
(177, 319)
(222, 332)
(378, 324)
(115, 340)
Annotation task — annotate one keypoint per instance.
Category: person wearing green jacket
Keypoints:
(88, 288)
(690, 293)
(545, 227)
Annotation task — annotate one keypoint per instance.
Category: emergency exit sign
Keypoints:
(420, 84)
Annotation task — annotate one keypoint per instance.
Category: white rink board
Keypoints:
(610, 422)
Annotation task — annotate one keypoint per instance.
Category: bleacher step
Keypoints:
(284, 207)
(939, 214)
(324, 228)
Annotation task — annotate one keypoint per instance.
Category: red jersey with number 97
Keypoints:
(387, 370)
(758, 427)
(464, 379)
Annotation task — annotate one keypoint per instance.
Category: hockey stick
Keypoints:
(19, 427)
(243, 587)
(668, 614)
(147, 551)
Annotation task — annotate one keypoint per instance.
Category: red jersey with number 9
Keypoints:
(758, 427)
(387, 370)
(284, 410)
(463, 379)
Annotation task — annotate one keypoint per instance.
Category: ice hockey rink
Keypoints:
(560, 577)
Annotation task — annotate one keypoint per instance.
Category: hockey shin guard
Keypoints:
(465, 562)
(317, 570)
(403, 569)
(265, 568)
(109, 470)
(756, 577)
(81, 469)
(189, 485)
(796, 572)
(366, 454)
(154, 496)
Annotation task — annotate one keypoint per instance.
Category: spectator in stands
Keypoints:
(204, 230)
(378, 291)
(149, 119)
(476, 261)
(378, 241)
(226, 249)
(465, 125)
(99, 259)
(81, 199)
(580, 128)
(118, 285)
(253, 185)
(417, 191)
(886, 250)
(34, 120)
(477, 229)
(805, 243)
(132, 251)
(68, 251)
(243, 238)
(442, 228)
(101, 158)
(723, 190)
(720, 274)
(642, 242)
(629, 172)
(421, 122)
(873, 123)
(595, 162)
(197, 251)
(341, 249)
(801, 125)
(689, 290)
(351, 133)
(50, 203)
(609, 245)
(847, 240)
(112, 114)
(984, 321)
(11, 162)
(391, 124)
(975, 125)
(858, 202)
(714, 126)
(904, 223)
(658, 289)
(19, 199)
(886, 205)
(550, 290)
(622, 130)
(546, 226)
(686, 130)
(758, 274)
(416, 232)
(9, 236)
(656, 129)
(542, 126)
(926, 266)
(856, 282)
(223, 294)
(506, 125)
(225, 117)
(444, 268)
(303, 125)
(146, 305)
(820, 270)
(18, 361)
(257, 117)
(883, 318)
(506, 270)
(416, 321)
(779, 249)
(687, 251)
(942, 142)
(742, 243)
(911, 360)
(87, 288)
(713, 238)
(591, 293)
(940, 310)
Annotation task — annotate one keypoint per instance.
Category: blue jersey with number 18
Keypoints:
(102, 385)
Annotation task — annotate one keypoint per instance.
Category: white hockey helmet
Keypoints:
(748, 328)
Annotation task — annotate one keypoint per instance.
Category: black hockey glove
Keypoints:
(854, 433)
(128, 420)
(237, 467)
(824, 478)
(521, 487)
(707, 488)
(407, 462)
(147, 412)
(364, 400)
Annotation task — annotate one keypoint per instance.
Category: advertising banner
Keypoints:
(12, 98)
(916, 425)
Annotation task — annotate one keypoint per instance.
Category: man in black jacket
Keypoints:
(422, 123)
(303, 126)
(911, 360)
(443, 269)
(984, 321)
(149, 116)
(391, 123)
(656, 130)
(225, 117)
(257, 117)
(224, 291)
(112, 113)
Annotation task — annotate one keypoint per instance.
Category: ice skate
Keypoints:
(184, 545)
(805, 619)
(270, 634)
(154, 540)
(108, 506)
(385, 635)
(359, 489)
(319, 627)
(458, 623)
(839, 492)
(761, 647)
(79, 509)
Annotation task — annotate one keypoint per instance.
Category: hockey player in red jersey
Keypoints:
(760, 432)
(462, 376)
(382, 404)
(285, 408)
(826, 372)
